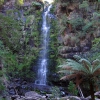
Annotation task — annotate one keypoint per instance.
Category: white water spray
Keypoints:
(43, 59)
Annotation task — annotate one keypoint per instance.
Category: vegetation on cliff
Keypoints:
(19, 42)
(78, 24)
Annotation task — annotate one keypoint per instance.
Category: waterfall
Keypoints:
(43, 59)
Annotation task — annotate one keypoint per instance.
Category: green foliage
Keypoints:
(65, 4)
(36, 3)
(1, 2)
(96, 43)
(18, 66)
(87, 26)
(8, 31)
(84, 4)
(56, 1)
(20, 2)
(55, 92)
(95, 50)
(72, 88)
(96, 14)
(76, 22)
(62, 24)
(2, 69)
(29, 20)
(15, 49)
(98, 0)
(53, 52)
(2, 87)
(82, 67)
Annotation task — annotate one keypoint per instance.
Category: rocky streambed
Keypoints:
(32, 95)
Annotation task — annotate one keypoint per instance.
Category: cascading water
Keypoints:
(43, 59)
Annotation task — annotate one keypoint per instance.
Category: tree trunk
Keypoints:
(80, 91)
(91, 90)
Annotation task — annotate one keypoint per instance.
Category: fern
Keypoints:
(96, 15)
(36, 3)
(29, 19)
(84, 5)
(96, 43)
(87, 26)
(76, 22)
(98, 0)
(64, 4)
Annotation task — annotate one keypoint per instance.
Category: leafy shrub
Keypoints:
(55, 92)
(1, 2)
(84, 4)
(72, 88)
(20, 2)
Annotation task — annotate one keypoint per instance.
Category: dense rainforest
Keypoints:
(50, 50)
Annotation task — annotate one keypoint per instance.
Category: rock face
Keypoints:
(33, 96)
(76, 35)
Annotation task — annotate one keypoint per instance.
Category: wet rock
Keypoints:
(55, 77)
(84, 99)
(31, 95)
(70, 98)
(44, 88)
(14, 97)
(85, 49)
(97, 94)
(76, 49)
(20, 99)
(49, 95)
(70, 55)
(63, 93)
(17, 80)
(12, 92)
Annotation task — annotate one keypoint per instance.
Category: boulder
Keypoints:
(70, 98)
(31, 95)
(49, 95)
(97, 94)
(73, 98)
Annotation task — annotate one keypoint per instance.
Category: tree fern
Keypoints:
(82, 68)
(84, 4)
(96, 68)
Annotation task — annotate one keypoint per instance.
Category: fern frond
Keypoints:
(85, 62)
(76, 66)
(87, 26)
(63, 78)
(96, 68)
(64, 71)
(96, 62)
(84, 4)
